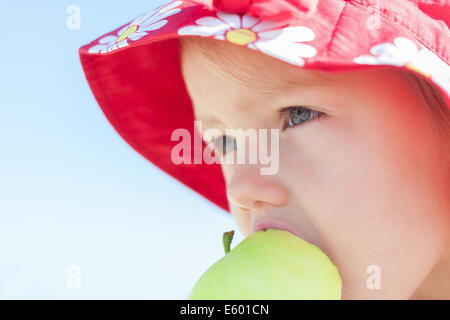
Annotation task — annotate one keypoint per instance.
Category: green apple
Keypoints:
(270, 264)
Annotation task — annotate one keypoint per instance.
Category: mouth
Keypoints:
(271, 224)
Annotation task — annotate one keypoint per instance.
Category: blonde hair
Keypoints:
(434, 101)
(212, 53)
(243, 66)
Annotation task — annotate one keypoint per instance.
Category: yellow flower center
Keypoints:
(127, 33)
(241, 36)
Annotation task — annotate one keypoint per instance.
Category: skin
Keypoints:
(364, 183)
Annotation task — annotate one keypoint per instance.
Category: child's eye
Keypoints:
(291, 117)
(295, 116)
(223, 144)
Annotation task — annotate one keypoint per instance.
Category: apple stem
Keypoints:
(227, 238)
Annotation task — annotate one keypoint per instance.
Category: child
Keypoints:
(360, 103)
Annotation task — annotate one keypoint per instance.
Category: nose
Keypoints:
(249, 190)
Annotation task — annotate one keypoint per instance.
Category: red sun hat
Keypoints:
(135, 74)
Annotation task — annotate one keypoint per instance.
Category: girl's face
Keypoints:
(363, 182)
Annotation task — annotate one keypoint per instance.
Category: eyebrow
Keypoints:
(295, 83)
(209, 120)
(302, 83)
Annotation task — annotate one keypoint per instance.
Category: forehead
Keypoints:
(244, 67)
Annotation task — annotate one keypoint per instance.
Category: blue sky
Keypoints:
(73, 194)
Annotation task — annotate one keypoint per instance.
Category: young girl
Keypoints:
(361, 104)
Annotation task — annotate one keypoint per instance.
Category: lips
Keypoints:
(272, 224)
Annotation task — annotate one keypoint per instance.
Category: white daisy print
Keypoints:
(136, 29)
(274, 38)
(403, 52)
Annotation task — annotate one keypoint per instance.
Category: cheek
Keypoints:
(366, 192)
